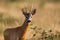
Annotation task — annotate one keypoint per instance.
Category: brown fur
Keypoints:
(19, 32)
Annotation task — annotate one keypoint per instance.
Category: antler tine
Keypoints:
(24, 9)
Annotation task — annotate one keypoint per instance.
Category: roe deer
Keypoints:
(19, 32)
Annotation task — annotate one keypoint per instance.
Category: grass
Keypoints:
(9, 2)
(43, 34)
(1, 31)
(14, 0)
(9, 20)
(54, 0)
(43, 2)
(1, 17)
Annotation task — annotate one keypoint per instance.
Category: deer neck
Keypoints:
(26, 25)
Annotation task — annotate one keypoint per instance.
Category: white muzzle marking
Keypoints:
(30, 18)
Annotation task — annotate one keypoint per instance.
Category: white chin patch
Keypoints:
(30, 18)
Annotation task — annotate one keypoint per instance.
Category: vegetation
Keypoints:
(49, 35)
(14, 1)
(6, 21)
(9, 20)
(40, 33)
(43, 2)
(54, 0)
(43, 35)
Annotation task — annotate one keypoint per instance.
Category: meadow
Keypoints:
(45, 23)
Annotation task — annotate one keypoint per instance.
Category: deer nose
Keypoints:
(29, 19)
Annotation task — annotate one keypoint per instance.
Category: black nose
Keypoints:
(29, 20)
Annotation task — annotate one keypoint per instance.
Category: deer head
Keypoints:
(28, 13)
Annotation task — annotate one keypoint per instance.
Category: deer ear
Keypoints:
(33, 11)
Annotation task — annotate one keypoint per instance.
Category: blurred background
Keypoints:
(47, 16)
